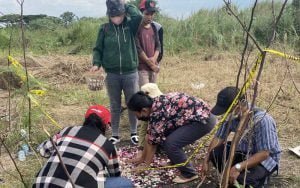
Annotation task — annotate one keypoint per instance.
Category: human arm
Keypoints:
(157, 49)
(161, 40)
(98, 50)
(46, 148)
(135, 17)
(251, 162)
(213, 144)
(149, 61)
(144, 57)
(113, 164)
(153, 59)
(147, 156)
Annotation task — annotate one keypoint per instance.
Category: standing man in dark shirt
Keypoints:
(148, 41)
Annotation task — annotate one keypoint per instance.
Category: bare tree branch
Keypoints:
(264, 55)
(21, 2)
(246, 43)
(14, 162)
(61, 162)
(241, 127)
(243, 26)
(260, 61)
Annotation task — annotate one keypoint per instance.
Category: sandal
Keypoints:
(181, 179)
(134, 139)
(114, 140)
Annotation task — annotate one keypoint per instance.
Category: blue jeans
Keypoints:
(182, 136)
(115, 84)
(117, 182)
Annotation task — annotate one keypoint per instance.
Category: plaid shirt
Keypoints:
(262, 137)
(174, 110)
(85, 152)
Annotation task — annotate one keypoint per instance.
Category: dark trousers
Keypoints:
(255, 176)
(182, 136)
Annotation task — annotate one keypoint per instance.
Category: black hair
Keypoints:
(95, 121)
(138, 101)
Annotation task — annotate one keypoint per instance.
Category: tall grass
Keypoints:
(213, 29)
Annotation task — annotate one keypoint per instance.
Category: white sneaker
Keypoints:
(134, 139)
(114, 140)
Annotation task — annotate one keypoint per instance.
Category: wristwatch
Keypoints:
(238, 167)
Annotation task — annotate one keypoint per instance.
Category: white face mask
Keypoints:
(117, 20)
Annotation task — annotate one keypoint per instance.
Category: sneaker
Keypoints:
(134, 139)
(181, 179)
(114, 139)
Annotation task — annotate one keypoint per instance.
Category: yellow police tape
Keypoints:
(235, 101)
(43, 111)
(19, 70)
(282, 54)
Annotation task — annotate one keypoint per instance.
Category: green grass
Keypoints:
(205, 29)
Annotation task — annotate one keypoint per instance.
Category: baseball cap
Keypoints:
(101, 111)
(115, 7)
(151, 89)
(149, 5)
(224, 99)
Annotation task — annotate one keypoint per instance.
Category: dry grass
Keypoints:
(67, 99)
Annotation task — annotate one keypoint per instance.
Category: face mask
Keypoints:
(144, 118)
(117, 20)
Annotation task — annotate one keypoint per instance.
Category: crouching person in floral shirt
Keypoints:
(175, 120)
(86, 155)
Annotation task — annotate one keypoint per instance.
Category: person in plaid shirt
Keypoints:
(175, 120)
(86, 154)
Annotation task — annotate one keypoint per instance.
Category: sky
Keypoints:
(178, 9)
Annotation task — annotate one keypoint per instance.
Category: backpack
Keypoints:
(158, 28)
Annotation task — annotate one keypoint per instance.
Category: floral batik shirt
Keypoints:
(173, 110)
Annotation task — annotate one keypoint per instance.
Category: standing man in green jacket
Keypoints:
(116, 52)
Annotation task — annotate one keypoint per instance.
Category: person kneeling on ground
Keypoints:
(85, 152)
(152, 90)
(175, 120)
(259, 141)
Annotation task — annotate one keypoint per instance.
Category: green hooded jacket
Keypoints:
(115, 48)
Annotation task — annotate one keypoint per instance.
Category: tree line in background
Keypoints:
(204, 29)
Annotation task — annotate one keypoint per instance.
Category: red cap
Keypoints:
(142, 5)
(100, 111)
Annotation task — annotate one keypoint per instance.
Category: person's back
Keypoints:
(84, 151)
(81, 155)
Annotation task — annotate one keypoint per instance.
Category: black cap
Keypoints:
(115, 7)
(150, 6)
(225, 97)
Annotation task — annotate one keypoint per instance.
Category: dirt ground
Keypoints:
(201, 74)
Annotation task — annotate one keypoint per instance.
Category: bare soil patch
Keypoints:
(199, 74)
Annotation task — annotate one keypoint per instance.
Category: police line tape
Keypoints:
(243, 90)
(19, 70)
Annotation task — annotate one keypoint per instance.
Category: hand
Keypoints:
(136, 161)
(94, 68)
(141, 168)
(153, 60)
(234, 173)
(155, 68)
(204, 168)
